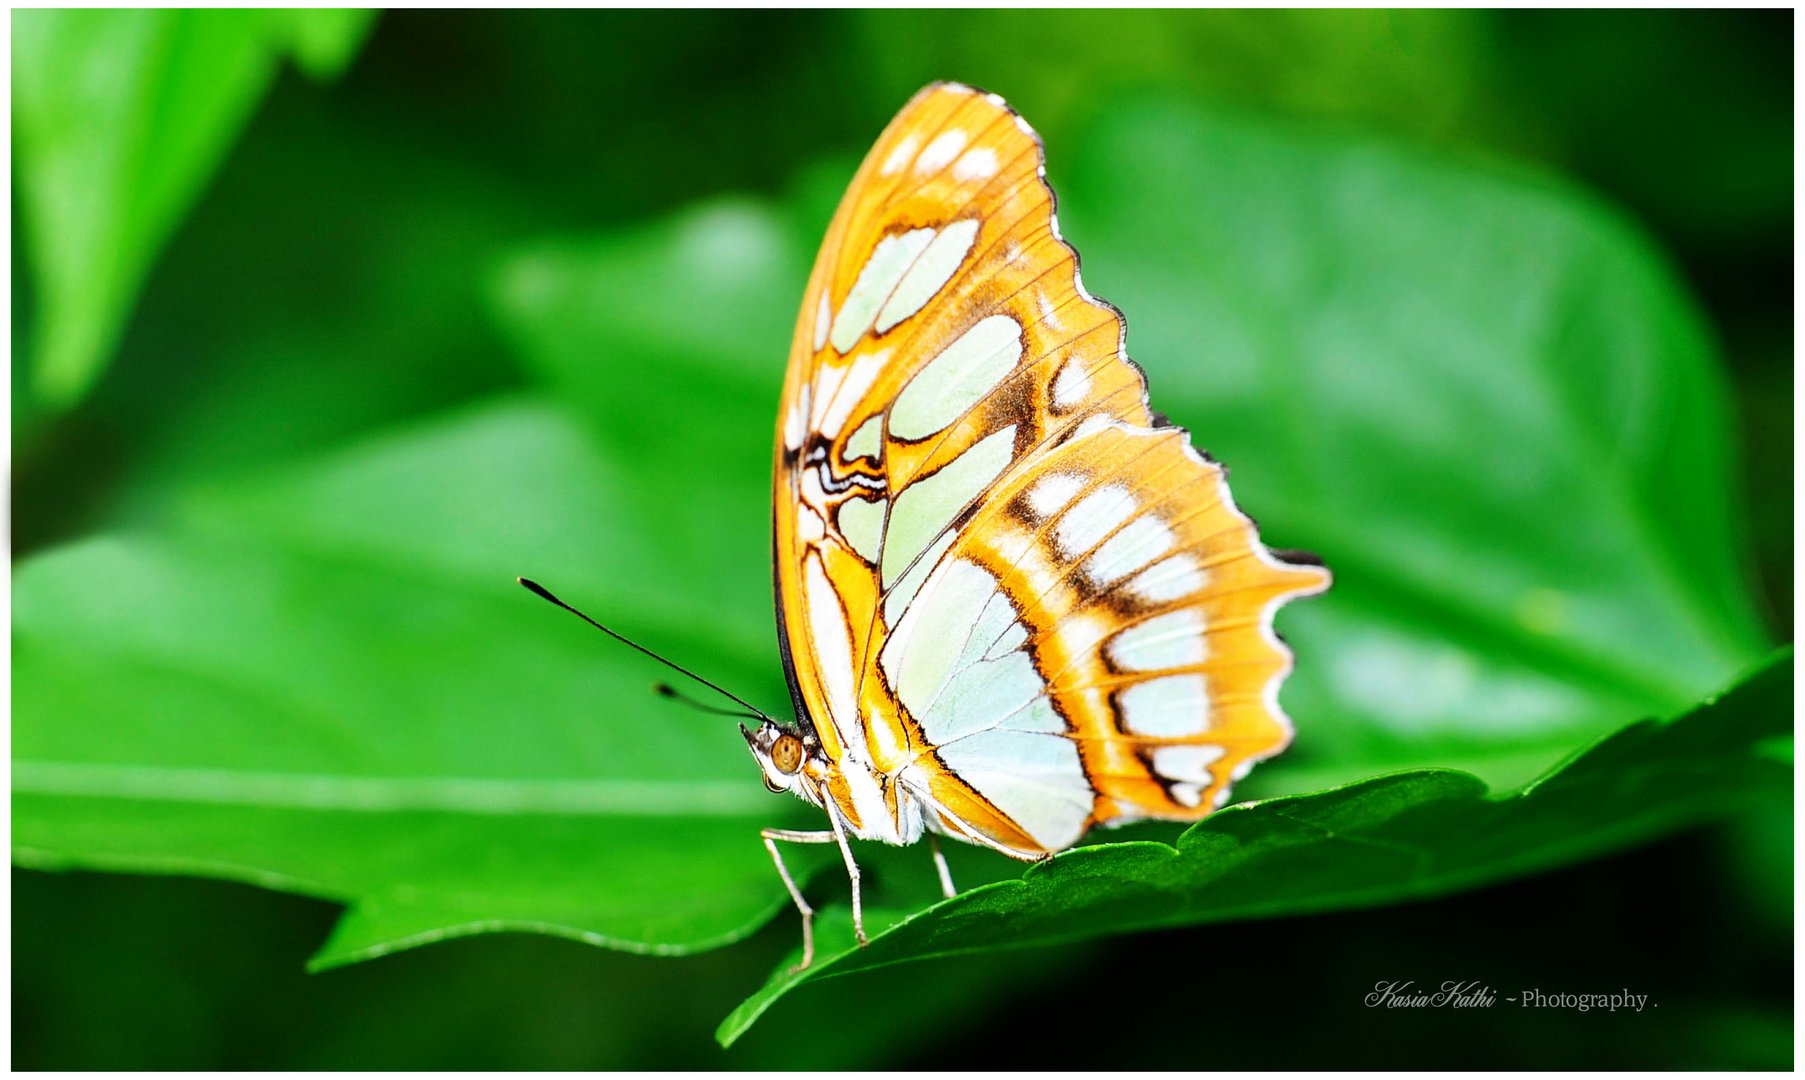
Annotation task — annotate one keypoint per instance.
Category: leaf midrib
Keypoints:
(390, 794)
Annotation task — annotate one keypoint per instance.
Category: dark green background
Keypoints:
(371, 210)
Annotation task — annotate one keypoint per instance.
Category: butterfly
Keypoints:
(1013, 602)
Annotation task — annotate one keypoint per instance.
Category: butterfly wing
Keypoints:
(1004, 584)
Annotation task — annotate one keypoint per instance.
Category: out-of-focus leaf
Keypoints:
(326, 681)
(672, 342)
(357, 306)
(1674, 112)
(1671, 110)
(674, 338)
(324, 41)
(1483, 399)
(120, 118)
(1404, 836)
(1407, 71)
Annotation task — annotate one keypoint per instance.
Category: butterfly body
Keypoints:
(870, 803)
(1013, 603)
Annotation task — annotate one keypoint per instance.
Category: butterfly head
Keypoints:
(780, 753)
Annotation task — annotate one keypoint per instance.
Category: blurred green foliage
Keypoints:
(121, 118)
(436, 324)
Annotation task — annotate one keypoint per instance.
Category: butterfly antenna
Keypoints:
(751, 710)
(667, 690)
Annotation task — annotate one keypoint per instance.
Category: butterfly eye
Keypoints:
(786, 754)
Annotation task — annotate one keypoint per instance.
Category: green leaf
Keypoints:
(324, 41)
(121, 117)
(1481, 397)
(1404, 836)
(672, 338)
(326, 680)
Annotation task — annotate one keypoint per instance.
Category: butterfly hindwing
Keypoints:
(1004, 588)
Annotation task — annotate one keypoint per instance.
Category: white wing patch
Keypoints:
(958, 378)
(1092, 518)
(901, 593)
(1051, 492)
(1172, 707)
(1134, 546)
(1013, 638)
(890, 260)
(924, 509)
(861, 522)
(1037, 780)
(839, 389)
(900, 156)
(795, 422)
(1172, 640)
(833, 653)
(867, 441)
(824, 316)
(1169, 580)
(933, 635)
(978, 164)
(1188, 767)
(940, 152)
(1072, 384)
(987, 713)
(936, 266)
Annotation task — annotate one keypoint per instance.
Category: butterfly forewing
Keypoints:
(1004, 587)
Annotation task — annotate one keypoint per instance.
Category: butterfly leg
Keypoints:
(852, 872)
(946, 876)
(771, 836)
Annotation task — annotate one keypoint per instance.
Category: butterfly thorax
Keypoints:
(866, 801)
